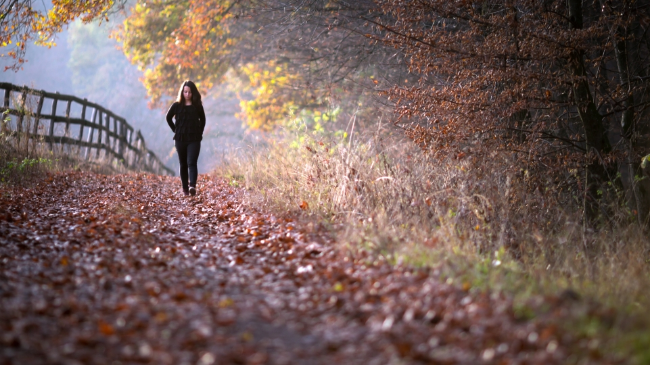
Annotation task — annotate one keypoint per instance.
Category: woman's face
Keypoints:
(187, 94)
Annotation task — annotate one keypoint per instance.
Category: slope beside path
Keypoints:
(121, 269)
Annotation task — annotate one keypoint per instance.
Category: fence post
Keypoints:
(21, 113)
(145, 150)
(134, 143)
(92, 133)
(141, 149)
(99, 135)
(81, 126)
(115, 139)
(128, 140)
(7, 95)
(66, 133)
(107, 139)
(5, 104)
(39, 108)
(123, 140)
(37, 119)
(67, 119)
(51, 134)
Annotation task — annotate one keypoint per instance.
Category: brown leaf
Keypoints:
(105, 328)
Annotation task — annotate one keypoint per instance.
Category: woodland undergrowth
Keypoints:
(483, 225)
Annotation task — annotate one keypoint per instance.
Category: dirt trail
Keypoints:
(122, 269)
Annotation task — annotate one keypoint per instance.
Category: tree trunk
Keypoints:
(598, 173)
(640, 187)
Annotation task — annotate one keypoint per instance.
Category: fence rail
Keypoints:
(103, 135)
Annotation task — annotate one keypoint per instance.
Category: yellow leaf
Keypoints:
(226, 302)
(338, 287)
(247, 336)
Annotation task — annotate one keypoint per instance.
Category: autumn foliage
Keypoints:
(558, 84)
(180, 40)
(23, 21)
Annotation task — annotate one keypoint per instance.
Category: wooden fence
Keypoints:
(96, 132)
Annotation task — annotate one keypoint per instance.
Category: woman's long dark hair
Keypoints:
(196, 96)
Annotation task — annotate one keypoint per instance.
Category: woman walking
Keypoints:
(188, 132)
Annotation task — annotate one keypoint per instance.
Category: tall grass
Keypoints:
(479, 221)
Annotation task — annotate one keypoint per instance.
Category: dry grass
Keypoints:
(481, 223)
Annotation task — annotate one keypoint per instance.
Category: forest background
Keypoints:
(506, 139)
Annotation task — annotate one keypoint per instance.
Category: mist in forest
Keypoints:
(88, 64)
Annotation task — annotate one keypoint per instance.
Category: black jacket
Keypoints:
(190, 121)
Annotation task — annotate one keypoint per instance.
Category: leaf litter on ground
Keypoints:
(123, 269)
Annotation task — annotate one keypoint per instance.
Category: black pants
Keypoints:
(188, 155)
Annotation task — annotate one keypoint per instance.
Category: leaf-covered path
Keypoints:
(122, 269)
